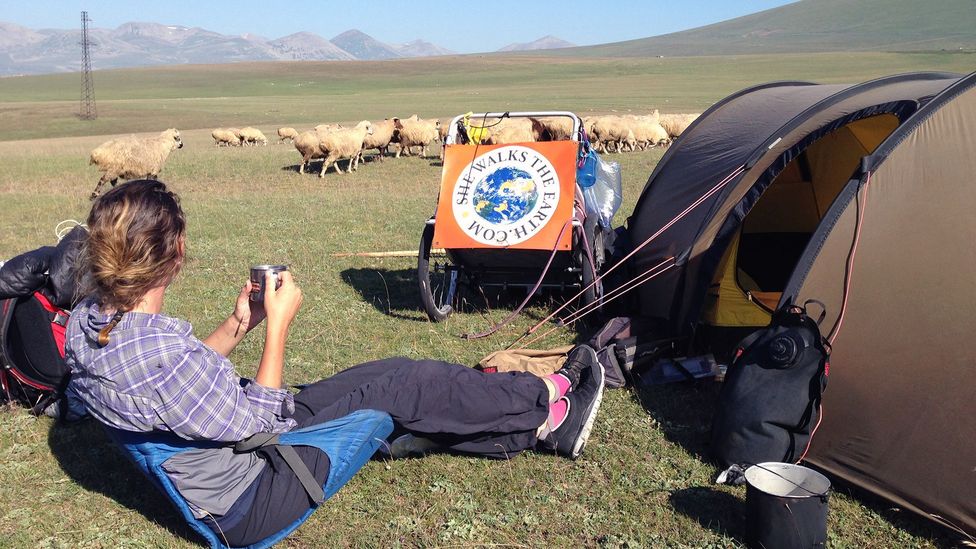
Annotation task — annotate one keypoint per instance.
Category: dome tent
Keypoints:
(860, 197)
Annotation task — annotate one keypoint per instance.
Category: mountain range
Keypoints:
(28, 51)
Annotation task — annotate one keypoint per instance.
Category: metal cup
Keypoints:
(257, 279)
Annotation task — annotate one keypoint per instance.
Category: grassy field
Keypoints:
(305, 94)
(643, 480)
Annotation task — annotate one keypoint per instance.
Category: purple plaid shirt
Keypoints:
(154, 375)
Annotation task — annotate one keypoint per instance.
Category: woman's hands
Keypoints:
(247, 313)
(281, 304)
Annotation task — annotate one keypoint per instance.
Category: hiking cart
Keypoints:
(510, 215)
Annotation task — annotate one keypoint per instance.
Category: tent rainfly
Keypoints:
(863, 198)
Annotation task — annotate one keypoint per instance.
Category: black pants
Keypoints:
(465, 410)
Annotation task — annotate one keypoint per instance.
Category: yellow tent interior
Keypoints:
(760, 258)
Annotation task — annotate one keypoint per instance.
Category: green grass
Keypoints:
(305, 94)
(813, 26)
(642, 481)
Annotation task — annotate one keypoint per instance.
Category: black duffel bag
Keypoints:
(770, 403)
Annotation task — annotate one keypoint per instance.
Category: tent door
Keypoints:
(760, 259)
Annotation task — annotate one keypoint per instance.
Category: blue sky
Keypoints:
(462, 26)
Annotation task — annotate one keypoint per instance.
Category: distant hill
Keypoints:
(421, 48)
(549, 42)
(310, 46)
(137, 44)
(364, 46)
(818, 26)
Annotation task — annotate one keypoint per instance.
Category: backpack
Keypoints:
(32, 368)
(623, 355)
(769, 406)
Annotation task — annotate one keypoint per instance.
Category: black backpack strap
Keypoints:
(747, 342)
(287, 453)
(823, 309)
(6, 315)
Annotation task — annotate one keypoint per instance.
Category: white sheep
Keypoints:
(287, 133)
(133, 157)
(555, 128)
(648, 132)
(380, 139)
(611, 130)
(343, 143)
(224, 137)
(307, 144)
(676, 124)
(443, 128)
(413, 132)
(237, 134)
(514, 130)
(252, 136)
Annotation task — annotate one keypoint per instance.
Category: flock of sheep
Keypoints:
(132, 157)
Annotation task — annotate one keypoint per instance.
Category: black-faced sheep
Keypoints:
(133, 157)
(343, 143)
(224, 137)
(253, 136)
(414, 132)
(286, 134)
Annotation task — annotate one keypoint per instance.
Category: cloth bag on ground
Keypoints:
(535, 361)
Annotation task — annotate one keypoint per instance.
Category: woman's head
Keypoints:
(135, 243)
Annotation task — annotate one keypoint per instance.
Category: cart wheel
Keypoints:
(438, 281)
(593, 292)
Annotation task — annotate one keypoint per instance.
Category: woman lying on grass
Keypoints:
(139, 370)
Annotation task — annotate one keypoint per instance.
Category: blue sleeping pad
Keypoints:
(348, 441)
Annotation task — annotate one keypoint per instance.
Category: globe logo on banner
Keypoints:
(506, 196)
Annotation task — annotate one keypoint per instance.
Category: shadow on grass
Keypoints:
(683, 410)
(396, 293)
(718, 511)
(392, 292)
(91, 460)
(313, 168)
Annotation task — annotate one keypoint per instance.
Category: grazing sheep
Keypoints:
(225, 138)
(443, 128)
(676, 124)
(287, 133)
(612, 130)
(237, 133)
(515, 130)
(415, 132)
(253, 136)
(307, 144)
(556, 128)
(383, 133)
(133, 157)
(344, 143)
(648, 132)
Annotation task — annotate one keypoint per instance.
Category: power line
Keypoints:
(88, 111)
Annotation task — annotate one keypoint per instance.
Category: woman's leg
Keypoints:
(463, 409)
